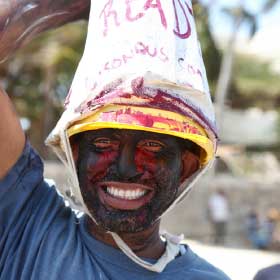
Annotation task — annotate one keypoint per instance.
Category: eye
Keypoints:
(104, 143)
(154, 146)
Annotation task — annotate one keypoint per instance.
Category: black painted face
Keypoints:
(128, 178)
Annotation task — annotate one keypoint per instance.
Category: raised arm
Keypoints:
(20, 21)
(12, 137)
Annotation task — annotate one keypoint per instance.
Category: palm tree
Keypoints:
(239, 16)
(210, 51)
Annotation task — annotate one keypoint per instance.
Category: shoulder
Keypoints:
(29, 165)
(268, 273)
(19, 184)
(26, 191)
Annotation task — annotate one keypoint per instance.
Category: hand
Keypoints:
(21, 20)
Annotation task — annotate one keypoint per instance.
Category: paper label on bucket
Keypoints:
(141, 38)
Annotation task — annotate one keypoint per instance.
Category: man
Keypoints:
(219, 215)
(133, 149)
(269, 273)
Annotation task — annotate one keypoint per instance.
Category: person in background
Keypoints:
(252, 229)
(276, 232)
(218, 209)
(263, 233)
(268, 228)
(269, 273)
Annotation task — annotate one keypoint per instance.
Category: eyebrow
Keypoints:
(116, 135)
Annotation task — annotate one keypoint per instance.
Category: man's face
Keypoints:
(128, 178)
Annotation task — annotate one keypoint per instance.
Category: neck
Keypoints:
(145, 244)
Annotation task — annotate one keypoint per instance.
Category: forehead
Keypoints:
(136, 135)
(124, 134)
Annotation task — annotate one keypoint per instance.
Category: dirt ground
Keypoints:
(238, 264)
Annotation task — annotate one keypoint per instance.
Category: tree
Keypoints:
(239, 15)
(39, 75)
(211, 54)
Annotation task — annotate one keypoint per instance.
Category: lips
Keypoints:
(124, 196)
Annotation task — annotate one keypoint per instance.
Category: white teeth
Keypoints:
(129, 195)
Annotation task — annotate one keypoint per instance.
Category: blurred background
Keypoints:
(236, 205)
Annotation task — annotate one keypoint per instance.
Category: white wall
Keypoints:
(250, 127)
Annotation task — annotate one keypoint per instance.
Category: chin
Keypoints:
(123, 221)
(128, 221)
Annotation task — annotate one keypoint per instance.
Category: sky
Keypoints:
(265, 43)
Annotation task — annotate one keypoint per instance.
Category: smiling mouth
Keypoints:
(124, 196)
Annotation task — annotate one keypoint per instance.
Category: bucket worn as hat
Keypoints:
(142, 69)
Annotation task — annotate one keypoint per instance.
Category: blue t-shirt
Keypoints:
(41, 238)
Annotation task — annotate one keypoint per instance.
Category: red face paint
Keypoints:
(97, 170)
(127, 177)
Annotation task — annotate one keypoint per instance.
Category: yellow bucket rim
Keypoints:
(146, 119)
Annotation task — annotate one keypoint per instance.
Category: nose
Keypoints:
(126, 162)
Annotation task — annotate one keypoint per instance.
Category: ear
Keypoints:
(75, 151)
(190, 164)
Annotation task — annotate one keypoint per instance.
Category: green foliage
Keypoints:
(278, 127)
(211, 54)
(39, 76)
(256, 83)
